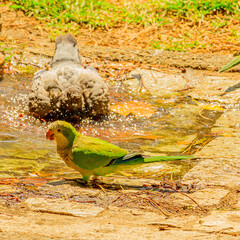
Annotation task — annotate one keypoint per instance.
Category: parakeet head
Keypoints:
(63, 132)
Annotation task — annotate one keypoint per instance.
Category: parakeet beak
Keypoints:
(50, 135)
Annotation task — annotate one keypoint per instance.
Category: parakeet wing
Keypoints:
(90, 153)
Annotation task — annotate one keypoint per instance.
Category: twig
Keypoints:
(101, 187)
(154, 77)
(189, 198)
(117, 198)
(204, 144)
(124, 203)
(157, 205)
(200, 114)
(189, 148)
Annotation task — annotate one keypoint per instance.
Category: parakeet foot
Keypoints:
(97, 183)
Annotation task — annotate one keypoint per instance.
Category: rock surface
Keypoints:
(68, 89)
(220, 161)
(157, 83)
(204, 197)
(65, 207)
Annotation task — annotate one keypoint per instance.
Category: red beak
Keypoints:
(50, 135)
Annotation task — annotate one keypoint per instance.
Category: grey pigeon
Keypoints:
(68, 90)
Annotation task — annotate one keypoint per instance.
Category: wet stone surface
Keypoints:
(220, 164)
(192, 113)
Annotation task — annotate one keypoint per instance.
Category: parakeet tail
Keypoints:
(137, 159)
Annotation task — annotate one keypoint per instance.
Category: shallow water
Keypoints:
(175, 127)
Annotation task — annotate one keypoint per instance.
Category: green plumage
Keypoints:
(233, 63)
(93, 156)
(138, 159)
(90, 153)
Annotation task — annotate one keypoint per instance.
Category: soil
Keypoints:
(128, 214)
(51, 211)
(125, 43)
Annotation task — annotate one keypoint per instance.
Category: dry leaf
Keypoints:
(139, 109)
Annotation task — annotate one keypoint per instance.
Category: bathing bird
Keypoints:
(67, 88)
(92, 156)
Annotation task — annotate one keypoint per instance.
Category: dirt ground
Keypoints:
(48, 211)
(124, 44)
(68, 210)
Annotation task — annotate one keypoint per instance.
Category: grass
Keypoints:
(96, 13)
(109, 13)
(7, 52)
(91, 13)
(64, 15)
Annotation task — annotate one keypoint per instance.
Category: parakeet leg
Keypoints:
(86, 178)
(96, 182)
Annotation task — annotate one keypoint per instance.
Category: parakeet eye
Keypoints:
(59, 130)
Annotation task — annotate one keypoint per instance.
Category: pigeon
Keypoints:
(68, 90)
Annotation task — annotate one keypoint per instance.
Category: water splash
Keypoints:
(24, 149)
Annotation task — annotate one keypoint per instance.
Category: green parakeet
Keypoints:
(233, 63)
(92, 156)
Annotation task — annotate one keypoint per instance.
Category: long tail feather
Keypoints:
(136, 159)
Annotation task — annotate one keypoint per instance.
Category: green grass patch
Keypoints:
(198, 9)
(107, 14)
(63, 16)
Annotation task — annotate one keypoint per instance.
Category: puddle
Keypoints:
(177, 125)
